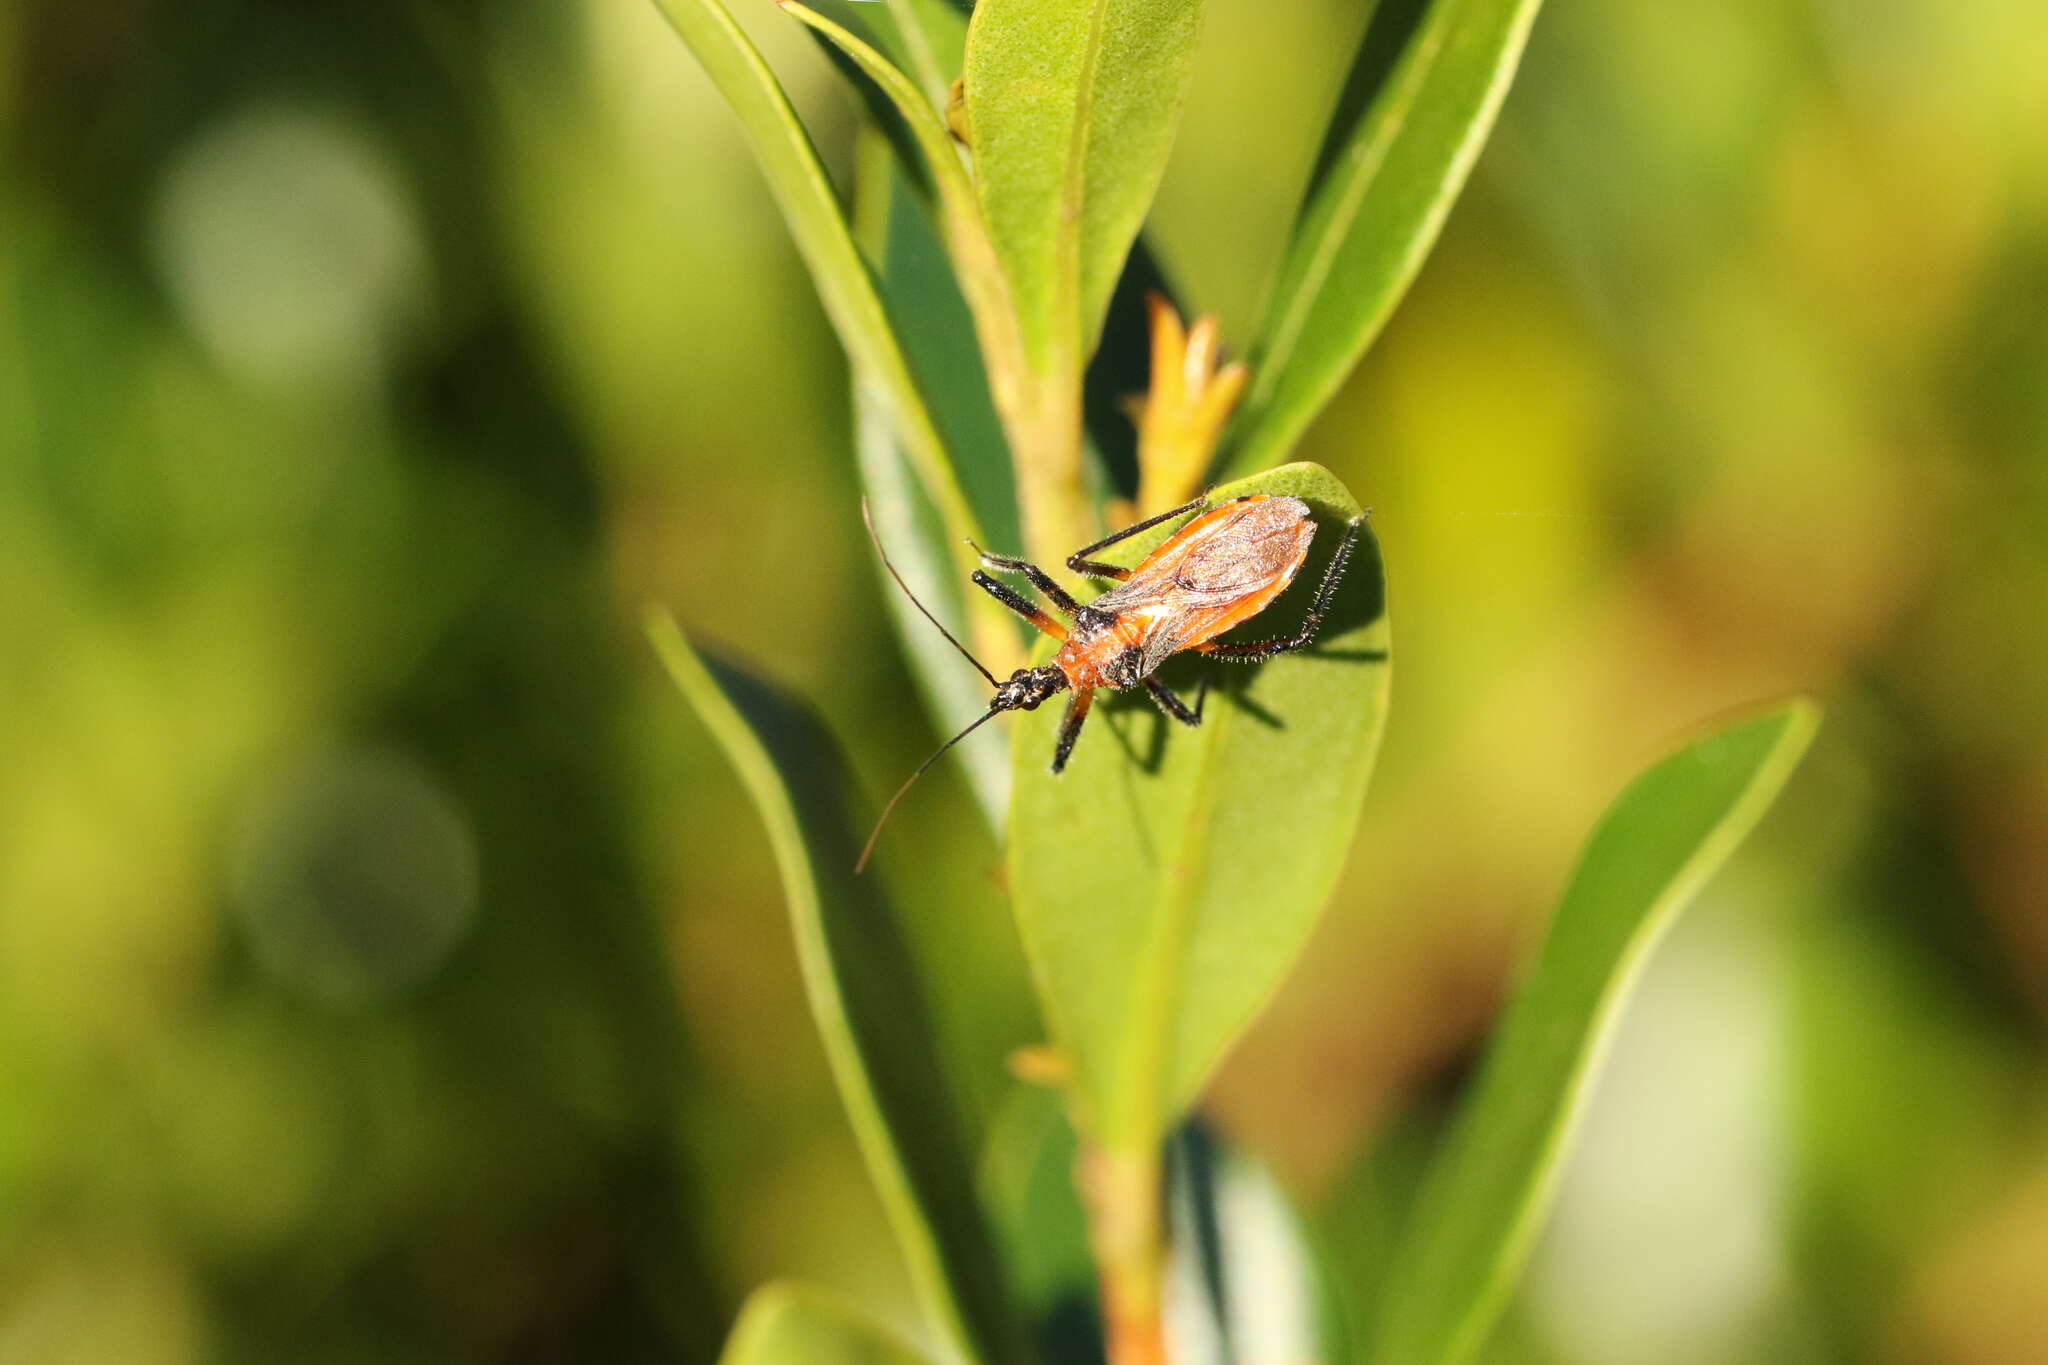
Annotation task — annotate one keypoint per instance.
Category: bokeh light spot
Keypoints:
(355, 877)
(290, 249)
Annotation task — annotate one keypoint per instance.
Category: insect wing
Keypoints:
(1176, 633)
(1263, 545)
(1228, 572)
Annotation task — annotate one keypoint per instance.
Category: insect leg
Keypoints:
(1173, 705)
(1070, 726)
(1258, 650)
(1037, 577)
(1079, 561)
(1020, 604)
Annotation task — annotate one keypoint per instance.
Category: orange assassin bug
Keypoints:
(1221, 567)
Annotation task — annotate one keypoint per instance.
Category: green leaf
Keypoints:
(934, 43)
(876, 27)
(883, 371)
(863, 992)
(937, 331)
(1071, 108)
(1166, 881)
(939, 337)
(1485, 1193)
(1027, 1183)
(822, 237)
(952, 692)
(1393, 165)
(975, 263)
(785, 1324)
(1356, 1225)
(924, 39)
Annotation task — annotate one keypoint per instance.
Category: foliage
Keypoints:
(786, 1325)
(396, 966)
(863, 994)
(1164, 884)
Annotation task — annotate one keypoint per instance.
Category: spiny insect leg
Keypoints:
(1079, 561)
(1173, 705)
(1070, 726)
(1035, 576)
(1020, 604)
(1258, 650)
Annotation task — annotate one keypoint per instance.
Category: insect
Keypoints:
(1221, 567)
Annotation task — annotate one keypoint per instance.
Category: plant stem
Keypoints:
(1121, 1190)
(1043, 423)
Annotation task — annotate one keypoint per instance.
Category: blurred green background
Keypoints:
(390, 970)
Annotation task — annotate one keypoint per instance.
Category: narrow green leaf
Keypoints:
(1390, 177)
(822, 236)
(845, 284)
(877, 27)
(973, 254)
(1071, 108)
(863, 993)
(784, 1324)
(953, 693)
(934, 43)
(924, 39)
(1166, 881)
(1484, 1195)
(937, 330)
(871, 41)
(939, 336)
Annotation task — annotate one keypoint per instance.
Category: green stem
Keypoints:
(1044, 427)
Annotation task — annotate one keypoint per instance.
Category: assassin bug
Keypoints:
(1223, 566)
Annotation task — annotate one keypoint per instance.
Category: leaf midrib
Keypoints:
(1073, 194)
(1150, 1055)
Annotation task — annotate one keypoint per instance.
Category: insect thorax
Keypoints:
(1104, 650)
(1090, 622)
(1124, 668)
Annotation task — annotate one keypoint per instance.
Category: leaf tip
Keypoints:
(658, 624)
(1798, 716)
(671, 646)
(1805, 707)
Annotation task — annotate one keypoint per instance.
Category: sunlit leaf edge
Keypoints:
(921, 1172)
(1423, 97)
(1458, 1260)
(822, 235)
(783, 1323)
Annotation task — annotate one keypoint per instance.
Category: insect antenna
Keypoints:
(869, 521)
(883, 819)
